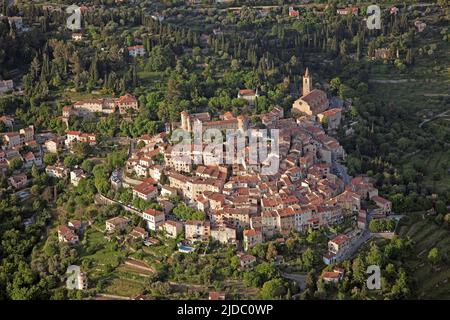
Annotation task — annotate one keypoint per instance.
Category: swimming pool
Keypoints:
(185, 249)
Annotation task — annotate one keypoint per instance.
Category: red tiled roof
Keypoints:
(380, 200)
(117, 220)
(138, 231)
(75, 223)
(247, 257)
(247, 92)
(136, 47)
(153, 212)
(331, 275)
(286, 212)
(145, 188)
(314, 96)
(340, 239)
(127, 98)
(74, 133)
(64, 230)
(172, 223)
(214, 295)
(251, 232)
(197, 222)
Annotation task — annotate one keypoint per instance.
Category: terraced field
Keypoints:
(430, 282)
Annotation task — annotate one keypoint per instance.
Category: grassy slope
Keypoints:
(122, 281)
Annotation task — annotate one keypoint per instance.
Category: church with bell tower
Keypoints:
(312, 101)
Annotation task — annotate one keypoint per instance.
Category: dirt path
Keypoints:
(436, 95)
(395, 81)
(442, 114)
(391, 80)
(104, 296)
(138, 265)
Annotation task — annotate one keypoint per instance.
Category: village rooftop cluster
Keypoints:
(242, 207)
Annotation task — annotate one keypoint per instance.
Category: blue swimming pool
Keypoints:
(185, 249)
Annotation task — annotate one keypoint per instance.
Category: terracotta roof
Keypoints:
(75, 223)
(74, 133)
(340, 239)
(138, 232)
(227, 115)
(63, 230)
(136, 47)
(172, 223)
(247, 92)
(145, 188)
(247, 257)
(314, 96)
(251, 232)
(332, 112)
(330, 275)
(117, 220)
(127, 98)
(197, 222)
(286, 212)
(380, 200)
(153, 212)
(214, 295)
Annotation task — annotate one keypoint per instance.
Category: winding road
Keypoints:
(440, 115)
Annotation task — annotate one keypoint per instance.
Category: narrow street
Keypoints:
(128, 180)
(342, 171)
(354, 246)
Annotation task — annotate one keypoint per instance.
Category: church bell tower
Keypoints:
(307, 83)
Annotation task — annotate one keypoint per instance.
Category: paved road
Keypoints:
(128, 180)
(102, 296)
(299, 278)
(391, 81)
(305, 5)
(101, 199)
(366, 235)
(119, 140)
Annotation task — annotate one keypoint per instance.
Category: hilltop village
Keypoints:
(233, 204)
(112, 186)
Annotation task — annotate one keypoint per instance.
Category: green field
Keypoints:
(100, 251)
(429, 282)
(107, 267)
(125, 282)
(104, 257)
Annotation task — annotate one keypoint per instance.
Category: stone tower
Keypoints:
(307, 83)
(185, 121)
(242, 123)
